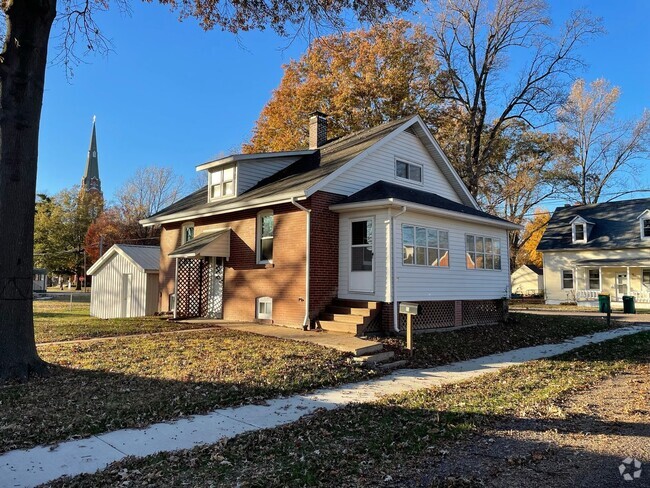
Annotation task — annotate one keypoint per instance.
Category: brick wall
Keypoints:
(170, 239)
(324, 259)
(244, 279)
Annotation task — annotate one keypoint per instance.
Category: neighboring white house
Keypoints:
(125, 282)
(597, 249)
(40, 280)
(527, 280)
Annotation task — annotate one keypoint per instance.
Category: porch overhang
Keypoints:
(613, 263)
(212, 243)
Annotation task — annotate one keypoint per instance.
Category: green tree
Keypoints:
(360, 79)
(22, 80)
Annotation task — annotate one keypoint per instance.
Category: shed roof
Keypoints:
(147, 258)
(535, 269)
(615, 225)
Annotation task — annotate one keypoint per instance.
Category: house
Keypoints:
(335, 235)
(597, 249)
(125, 282)
(527, 280)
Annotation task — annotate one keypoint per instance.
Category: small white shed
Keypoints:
(528, 280)
(125, 282)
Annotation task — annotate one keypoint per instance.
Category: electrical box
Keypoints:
(410, 308)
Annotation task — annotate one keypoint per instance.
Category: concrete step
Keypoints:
(394, 365)
(350, 319)
(364, 312)
(378, 357)
(340, 302)
(336, 326)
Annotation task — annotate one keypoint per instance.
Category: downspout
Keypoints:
(306, 323)
(176, 289)
(393, 255)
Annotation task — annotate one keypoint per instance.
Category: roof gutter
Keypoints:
(209, 212)
(306, 322)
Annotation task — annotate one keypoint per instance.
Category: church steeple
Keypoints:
(90, 180)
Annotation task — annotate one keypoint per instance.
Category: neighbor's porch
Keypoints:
(614, 278)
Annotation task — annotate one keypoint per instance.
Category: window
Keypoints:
(265, 237)
(594, 279)
(222, 183)
(645, 228)
(645, 278)
(579, 232)
(264, 308)
(482, 252)
(187, 232)
(567, 279)
(408, 171)
(362, 250)
(424, 246)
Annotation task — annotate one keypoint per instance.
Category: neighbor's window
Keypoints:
(408, 171)
(579, 232)
(645, 279)
(567, 279)
(222, 182)
(265, 237)
(482, 252)
(645, 228)
(594, 279)
(424, 246)
(187, 232)
(264, 308)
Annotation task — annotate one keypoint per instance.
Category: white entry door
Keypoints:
(215, 298)
(621, 285)
(127, 292)
(362, 275)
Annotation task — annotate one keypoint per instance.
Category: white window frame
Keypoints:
(643, 284)
(642, 221)
(258, 236)
(409, 163)
(484, 253)
(184, 228)
(427, 247)
(268, 315)
(600, 279)
(222, 183)
(584, 232)
(573, 278)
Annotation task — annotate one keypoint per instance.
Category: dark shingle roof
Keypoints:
(382, 190)
(615, 225)
(299, 176)
(535, 269)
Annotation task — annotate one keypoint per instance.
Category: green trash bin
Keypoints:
(628, 304)
(604, 305)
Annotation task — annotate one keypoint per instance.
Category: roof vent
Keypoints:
(317, 130)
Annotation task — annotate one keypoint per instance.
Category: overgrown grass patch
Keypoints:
(133, 381)
(521, 330)
(363, 444)
(62, 321)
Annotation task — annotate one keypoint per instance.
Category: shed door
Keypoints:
(127, 292)
(362, 276)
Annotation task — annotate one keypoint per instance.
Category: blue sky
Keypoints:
(171, 94)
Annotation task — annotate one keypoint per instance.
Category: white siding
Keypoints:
(455, 282)
(526, 281)
(380, 165)
(424, 282)
(107, 285)
(250, 173)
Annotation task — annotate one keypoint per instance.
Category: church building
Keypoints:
(90, 181)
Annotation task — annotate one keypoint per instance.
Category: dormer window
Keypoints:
(645, 228)
(222, 182)
(579, 229)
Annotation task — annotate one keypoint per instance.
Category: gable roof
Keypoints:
(615, 226)
(302, 178)
(535, 269)
(394, 193)
(147, 258)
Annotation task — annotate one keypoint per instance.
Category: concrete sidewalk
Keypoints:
(26, 468)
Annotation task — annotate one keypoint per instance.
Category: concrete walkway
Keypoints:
(26, 468)
(334, 340)
(638, 318)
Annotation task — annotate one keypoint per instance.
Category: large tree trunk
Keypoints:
(22, 77)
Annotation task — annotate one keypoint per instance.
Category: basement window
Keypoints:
(264, 308)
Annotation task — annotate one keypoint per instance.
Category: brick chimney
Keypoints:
(317, 130)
